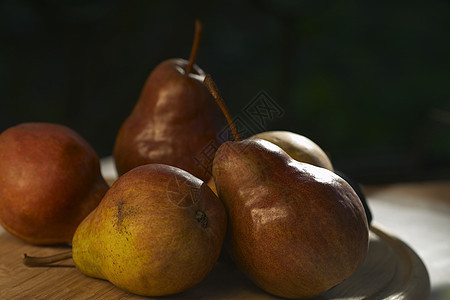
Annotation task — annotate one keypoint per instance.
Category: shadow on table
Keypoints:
(441, 292)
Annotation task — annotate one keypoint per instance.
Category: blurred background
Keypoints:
(368, 81)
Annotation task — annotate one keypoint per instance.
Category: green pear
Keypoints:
(158, 231)
(296, 230)
(50, 181)
(298, 147)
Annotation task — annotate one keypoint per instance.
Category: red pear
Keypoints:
(50, 181)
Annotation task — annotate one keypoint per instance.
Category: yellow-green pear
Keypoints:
(158, 231)
(298, 147)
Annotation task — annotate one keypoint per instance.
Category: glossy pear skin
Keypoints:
(298, 147)
(50, 181)
(173, 122)
(295, 229)
(158, 231)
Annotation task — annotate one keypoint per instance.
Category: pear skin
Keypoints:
(158, 231)
(50, 181)
(298, 147)
(296, 230)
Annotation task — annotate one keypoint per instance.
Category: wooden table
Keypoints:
(417, 214)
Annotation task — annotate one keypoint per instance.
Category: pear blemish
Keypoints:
(122, 214)
(201, 218)
(119, 212)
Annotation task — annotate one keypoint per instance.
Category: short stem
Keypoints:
(195, 45)
(216, 95)
(45, 260)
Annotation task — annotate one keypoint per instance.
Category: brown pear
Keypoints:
(50, 181)
(175, 121)
(296, 230)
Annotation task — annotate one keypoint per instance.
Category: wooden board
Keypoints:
(391, 271)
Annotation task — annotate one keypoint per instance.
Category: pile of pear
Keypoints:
(272, 203)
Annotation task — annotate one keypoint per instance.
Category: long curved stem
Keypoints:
(45, 260)
(195, 45)
(209, 83)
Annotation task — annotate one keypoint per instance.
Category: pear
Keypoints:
(298, 147)
(175, 120)
(50, 181)
(296, 230)
(157, 231)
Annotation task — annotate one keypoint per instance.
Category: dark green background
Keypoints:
(369, 81)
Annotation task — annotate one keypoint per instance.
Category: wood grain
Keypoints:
(391, 271)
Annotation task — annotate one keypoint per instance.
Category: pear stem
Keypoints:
(45, 260)
(195, 45)
(212, 87)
